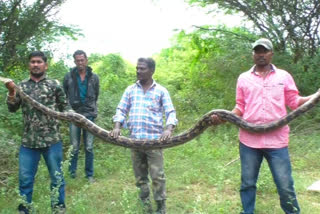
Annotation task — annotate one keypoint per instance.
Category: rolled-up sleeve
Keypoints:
(13, 105)
(291, 93)
(240, 104)
(123, 108)
(170, 112)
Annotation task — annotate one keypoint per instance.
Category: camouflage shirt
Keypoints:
(40, 130)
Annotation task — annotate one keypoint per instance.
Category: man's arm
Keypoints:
(13, 100)
(121, 113)
(65, 84)
(97, 88)
(170, 113)
(61, 99)
(303, 100)
(216, 120)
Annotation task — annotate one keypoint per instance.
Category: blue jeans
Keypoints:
(75, 139)
(280, 166)
(28, 166)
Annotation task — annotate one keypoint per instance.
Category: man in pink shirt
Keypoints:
(262, 95)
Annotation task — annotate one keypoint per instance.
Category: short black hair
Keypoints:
(150, 62)
(79, 52)
(38, 54)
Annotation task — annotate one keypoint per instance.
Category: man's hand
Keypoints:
(167, 133)
(216, 120)
(10, 86)
(116, 132)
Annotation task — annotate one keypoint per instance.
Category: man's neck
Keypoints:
(36, 79)
(82, 74)
(263, 68)
(146, 84)
(82, 71)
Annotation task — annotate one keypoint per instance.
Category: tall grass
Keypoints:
(203, 176)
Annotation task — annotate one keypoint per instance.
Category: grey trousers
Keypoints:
(149, 162)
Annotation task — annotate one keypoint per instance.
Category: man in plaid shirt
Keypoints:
(144, 103)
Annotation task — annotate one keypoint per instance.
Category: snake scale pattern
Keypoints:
(179, 139)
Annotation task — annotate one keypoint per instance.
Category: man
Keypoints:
(144, 103)
(81, 86)
(262, 95)
(41, 134)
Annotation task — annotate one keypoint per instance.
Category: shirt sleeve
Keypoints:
(65, 84)
(169, 110)
(14, 105)
(291, 93)
(240, 104)
(61, 99)
(123, 107)
(97, 87)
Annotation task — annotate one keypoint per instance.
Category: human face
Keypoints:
(81, 62)
(144, 73)
(262, 56)
(37, 66)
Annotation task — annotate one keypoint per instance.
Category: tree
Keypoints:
(25, 27)
(291, 25)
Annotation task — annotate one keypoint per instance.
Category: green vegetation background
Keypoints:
(203, 176)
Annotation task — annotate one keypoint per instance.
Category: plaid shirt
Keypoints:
(40, 130)
(145, 110)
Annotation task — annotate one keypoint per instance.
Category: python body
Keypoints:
(182, 138)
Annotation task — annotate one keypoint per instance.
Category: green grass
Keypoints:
(203, 176)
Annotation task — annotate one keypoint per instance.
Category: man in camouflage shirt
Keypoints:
(41, 134)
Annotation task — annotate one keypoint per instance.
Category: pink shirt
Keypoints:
(264, 100)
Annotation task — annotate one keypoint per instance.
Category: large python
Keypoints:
(182, 138)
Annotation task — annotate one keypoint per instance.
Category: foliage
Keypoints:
(291, 25)
(25, 27)
(10, 132)
(57, 70)
(308, 74)
(115, 75)
(203, 176)
(201, 68)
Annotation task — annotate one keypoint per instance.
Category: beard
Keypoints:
(37, 75)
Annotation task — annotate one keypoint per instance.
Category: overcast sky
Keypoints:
(132, 28)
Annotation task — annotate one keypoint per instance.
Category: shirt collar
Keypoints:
(253, 69)
(154, 83)
(78, 75)
(88, 70)
(42, 78)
